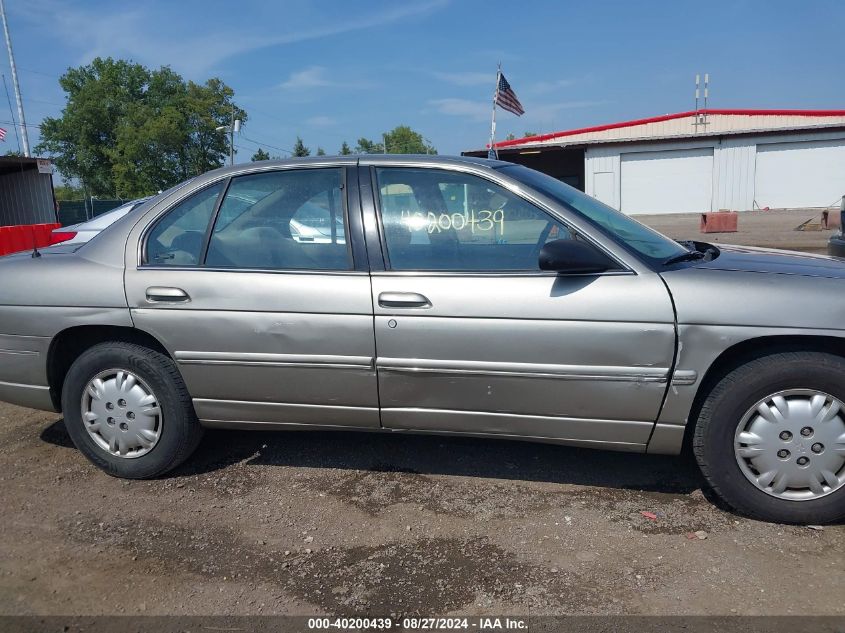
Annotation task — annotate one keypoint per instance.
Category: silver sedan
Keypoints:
(445, 295)
(84, 231)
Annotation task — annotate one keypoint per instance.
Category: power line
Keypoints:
(32, 125)
(42, 101)
(281, 149)
(12, 112)
(38, 72)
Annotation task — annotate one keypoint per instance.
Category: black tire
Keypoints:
(732, 396)
(180, 429)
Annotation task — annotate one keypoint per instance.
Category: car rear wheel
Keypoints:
(127, 409)
(770, 438)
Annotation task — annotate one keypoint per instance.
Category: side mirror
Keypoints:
(573, 257)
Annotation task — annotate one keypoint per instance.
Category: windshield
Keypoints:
(626, 231)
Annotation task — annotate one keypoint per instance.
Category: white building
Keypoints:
(698, 161)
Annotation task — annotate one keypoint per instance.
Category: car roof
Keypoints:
(351, 160)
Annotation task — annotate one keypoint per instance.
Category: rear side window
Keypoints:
(177, 239)
(282, 220)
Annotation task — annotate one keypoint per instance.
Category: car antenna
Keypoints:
(35, 251)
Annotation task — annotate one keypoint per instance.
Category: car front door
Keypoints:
(473, 338)
(257, 285)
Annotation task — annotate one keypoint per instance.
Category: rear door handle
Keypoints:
(163, 294)
(403, 300)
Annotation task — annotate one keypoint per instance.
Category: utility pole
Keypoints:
(232, 139)
(21, 119)
(234, 126)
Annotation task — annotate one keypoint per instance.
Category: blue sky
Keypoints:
(332, 71)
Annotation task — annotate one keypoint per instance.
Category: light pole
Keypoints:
(234, 126)
(21, 119)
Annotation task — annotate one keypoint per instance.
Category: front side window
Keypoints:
(177, 239)
(291, 219)
(442, 220)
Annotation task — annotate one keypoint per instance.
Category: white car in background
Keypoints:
(84, 231)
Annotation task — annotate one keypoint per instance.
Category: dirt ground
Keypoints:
(307, 522)
(771, 229)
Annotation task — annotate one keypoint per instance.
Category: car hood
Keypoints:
(770, 260)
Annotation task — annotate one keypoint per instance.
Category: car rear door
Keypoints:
(473, 338)
(267, 326)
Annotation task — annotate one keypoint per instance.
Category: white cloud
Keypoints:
(149, 38)
(300, 85)
(467, 78)
(475, 110)
(313, 77)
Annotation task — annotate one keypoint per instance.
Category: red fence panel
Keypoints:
(42, 233)
(25, 237)
(21, 238)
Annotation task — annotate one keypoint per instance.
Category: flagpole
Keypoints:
(492, 152)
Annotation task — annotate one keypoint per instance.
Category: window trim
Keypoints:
(143, 255)
(209, 230)
(444, 272)
(352, 259)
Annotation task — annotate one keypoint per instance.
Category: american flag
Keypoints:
(2, 134)
(506, 97)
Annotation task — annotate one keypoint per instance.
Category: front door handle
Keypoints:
(163, 294)
(403, 300)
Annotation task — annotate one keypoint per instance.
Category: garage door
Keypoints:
(794, 175)
(672, 181)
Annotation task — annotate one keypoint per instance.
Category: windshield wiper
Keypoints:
(684, 257)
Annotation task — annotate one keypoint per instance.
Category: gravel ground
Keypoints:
(771, 229)
(305, 523)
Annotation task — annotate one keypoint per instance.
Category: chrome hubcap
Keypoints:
(121, 413)
(791, 444)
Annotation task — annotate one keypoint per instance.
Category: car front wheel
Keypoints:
(770, 438)
(127, 409)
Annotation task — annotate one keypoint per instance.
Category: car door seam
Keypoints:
(673, 365)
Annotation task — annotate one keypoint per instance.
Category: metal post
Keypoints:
(232, 139)
(21, 119)
(842, 215)
(492, 151)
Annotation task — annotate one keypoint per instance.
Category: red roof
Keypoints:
(665, 117)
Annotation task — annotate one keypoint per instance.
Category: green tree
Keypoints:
(527, 134)
(321, 151)
(510, 137)
(344, 149)
(366, 146)
(128, 131)
(403, 140)
(260, 155)
(68, 191)
(299, 148)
